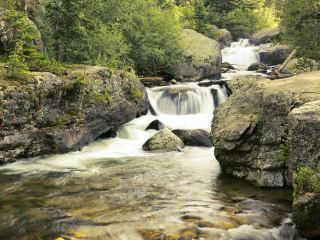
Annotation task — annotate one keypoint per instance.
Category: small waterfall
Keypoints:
(241, 54)
(186, 99)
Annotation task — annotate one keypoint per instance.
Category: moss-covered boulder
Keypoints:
(50, 114)
(266, 35)
(201, 57)
(268, 133)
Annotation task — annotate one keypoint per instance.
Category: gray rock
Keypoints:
(156, 125)
(275, 55)
(254, 67)
(201, 57)
(195, 137)
(267, 35)
(164, 140)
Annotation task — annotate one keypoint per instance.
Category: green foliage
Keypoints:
(307, 180)
(16, 65)
(301, 20)
(305, 65)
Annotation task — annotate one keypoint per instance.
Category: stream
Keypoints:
(114, 190)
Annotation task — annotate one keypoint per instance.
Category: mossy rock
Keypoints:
(201, 57)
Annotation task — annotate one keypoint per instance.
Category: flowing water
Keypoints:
(112, 189)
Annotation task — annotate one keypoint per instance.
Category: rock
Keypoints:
(275, 55)
(253, 124)
(267, 131)
(153, 81)
(227, 65)
(164, 140)
(306, 211)
(267, 35)
(223, 36)
(197, 137)
(173, 82)
(156, 125)
(50, 115)
(254, 67)
(224, 70)
(201, 58)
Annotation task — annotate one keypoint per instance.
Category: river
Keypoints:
(112, 189)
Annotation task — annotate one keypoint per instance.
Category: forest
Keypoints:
(140, 34)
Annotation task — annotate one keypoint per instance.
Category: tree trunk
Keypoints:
(293, 53)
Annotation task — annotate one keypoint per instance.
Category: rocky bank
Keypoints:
(50, 114)
(268, 133)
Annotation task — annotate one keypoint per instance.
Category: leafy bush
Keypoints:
(307, 180)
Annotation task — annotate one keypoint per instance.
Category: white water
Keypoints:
(187, 106)
(241, 54)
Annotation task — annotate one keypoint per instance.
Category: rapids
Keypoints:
(112, 189)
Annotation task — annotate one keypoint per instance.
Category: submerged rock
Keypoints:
(164, 140)
(51, 115)
(156, 125)
(195, 137)
(201, 57)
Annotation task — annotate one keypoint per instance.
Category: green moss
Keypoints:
(284, 149)
(307, 180)
(136, 93)
(61, 120)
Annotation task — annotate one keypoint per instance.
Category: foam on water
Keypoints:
(241, 54)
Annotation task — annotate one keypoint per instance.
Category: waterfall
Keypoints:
(186, 99)
(241, 54)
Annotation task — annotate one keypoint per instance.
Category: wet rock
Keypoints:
(254, 67)
(227, 65)
(201, 57)
(156, 125)
(173, 82)
(275, 55)
(306, 210)
(197, 137)
(267, 35)
(164, 140)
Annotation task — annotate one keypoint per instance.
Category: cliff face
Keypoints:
(55, 115)
(268, 131)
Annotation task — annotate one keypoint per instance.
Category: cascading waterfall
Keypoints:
(186, 99)
(241, 54)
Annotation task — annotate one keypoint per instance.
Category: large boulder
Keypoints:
(274, 55)
(267, 131)
(50, 115)
(304, 166)
(201, 57)
(266, 35)
(195, 137)
(164, 140)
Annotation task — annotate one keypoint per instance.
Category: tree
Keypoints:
(301, 20)
(16, 65)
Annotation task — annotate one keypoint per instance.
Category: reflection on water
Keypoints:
(173, 194)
